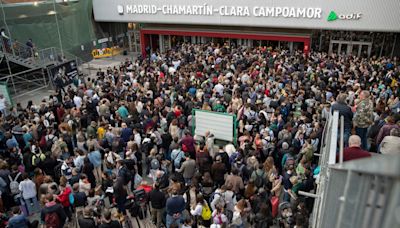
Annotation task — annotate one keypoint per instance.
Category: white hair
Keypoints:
(354, 140)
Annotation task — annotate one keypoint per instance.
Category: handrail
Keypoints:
(341, 139)
(327, 150)
(41, 57)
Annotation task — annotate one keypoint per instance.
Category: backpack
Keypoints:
(206, 212)
(178, 159)
(259, 181)
(14, 185)
(221, 200)
(52, 220)
(163, 181)
(154, 164)
(289, 160)
(49, 143)
(37, 159)
(71, 199)
(57, 171)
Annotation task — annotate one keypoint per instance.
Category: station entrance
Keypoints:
(355, 48)
(162, 40)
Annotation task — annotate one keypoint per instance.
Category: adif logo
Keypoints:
(120, 9)
(333, 16)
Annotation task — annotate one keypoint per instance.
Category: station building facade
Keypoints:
(362, 28)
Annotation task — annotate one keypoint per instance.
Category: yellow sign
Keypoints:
(105, 52)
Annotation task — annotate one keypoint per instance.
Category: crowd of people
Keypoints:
(120, 145)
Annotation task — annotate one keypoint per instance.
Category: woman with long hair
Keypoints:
(250, 190)
(202, 211)
(240, 213)
(269, 165)
(219, 218)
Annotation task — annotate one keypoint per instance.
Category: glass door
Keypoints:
(134, 41)
(167, 42)
(355, 50)
(343, 48)
(335, 48)
(366, 50)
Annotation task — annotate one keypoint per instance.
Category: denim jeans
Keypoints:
(31, 205)
(238, 226)
(346, 136)
(188, 181)
(171, 220)
(286, 196)
(121, 204)
(362, 132)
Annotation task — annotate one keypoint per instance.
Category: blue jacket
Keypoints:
(95, 158)
(126, 134)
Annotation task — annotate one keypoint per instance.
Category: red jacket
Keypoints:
(64, 197)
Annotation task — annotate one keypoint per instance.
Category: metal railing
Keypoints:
(327, 157)
(359, 193)
(37, 61)
(363, 193)
(38, 57)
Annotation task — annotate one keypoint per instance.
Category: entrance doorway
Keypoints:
(151, 39)
(356, 48)
(134, 41)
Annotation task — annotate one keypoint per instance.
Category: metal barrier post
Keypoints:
(341, 139)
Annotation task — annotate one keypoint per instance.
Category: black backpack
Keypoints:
(57, 172)
(49, 142)
(163, 181)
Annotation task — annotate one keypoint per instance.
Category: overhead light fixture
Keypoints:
(22, 16)
(35, 3)
(51, 12)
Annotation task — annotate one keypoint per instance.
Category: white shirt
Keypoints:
(197, 210)
(220, 89)
(138, 139)
(78, 101)
(176, 63)
(139, 107)
(28, 189)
